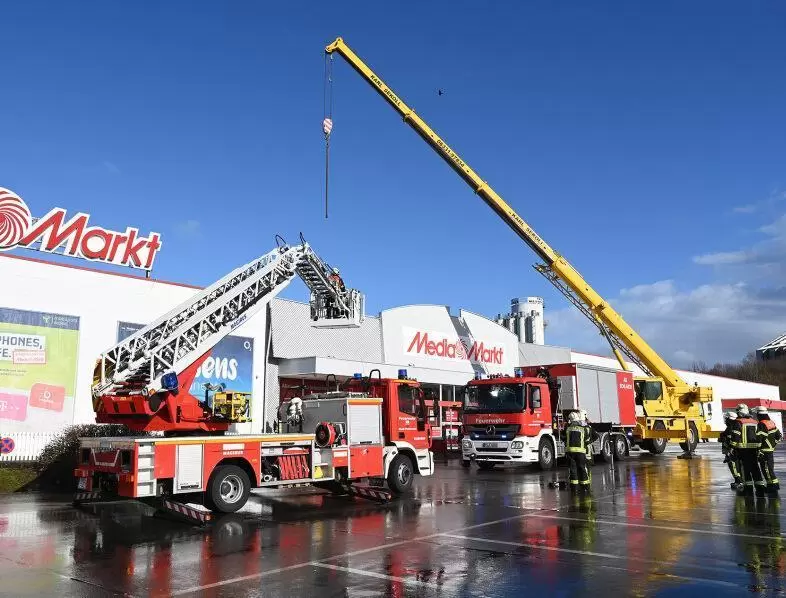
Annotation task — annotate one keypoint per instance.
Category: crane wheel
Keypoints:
(693, 439)
(656, 446)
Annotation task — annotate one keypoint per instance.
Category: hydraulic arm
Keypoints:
(554, 267)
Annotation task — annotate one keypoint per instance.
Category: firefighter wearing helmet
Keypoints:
(578, 437)
(769, 437)
(731, 457)
(746, 444)
(335, 279)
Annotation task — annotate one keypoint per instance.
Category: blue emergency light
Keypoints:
(402, 374)
(518, 372)
(478, 375)
(169, 381)
(357, 376)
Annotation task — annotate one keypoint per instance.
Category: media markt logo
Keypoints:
(72, 237)
(435, 344)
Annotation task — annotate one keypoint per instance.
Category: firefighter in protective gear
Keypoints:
(746, 444)
(731, 457)
(335, 279)
(578, 437)
(769, 437)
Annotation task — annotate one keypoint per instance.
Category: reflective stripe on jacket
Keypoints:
(769, 435)
(577, 438)
(744, 434)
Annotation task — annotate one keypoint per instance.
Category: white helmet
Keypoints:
(761, 411)
(335, 270)
(573, 417)
(730, 415)
(742, 409)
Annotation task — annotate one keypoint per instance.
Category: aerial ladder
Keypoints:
(667, 406)
(144, 380)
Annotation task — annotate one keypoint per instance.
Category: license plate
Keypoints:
(82, 484)
(490, 445)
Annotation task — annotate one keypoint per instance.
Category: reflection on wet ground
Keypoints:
(654, 526)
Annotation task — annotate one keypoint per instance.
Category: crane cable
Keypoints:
(327, 121)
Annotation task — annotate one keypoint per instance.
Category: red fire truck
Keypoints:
(519, 419)
(374, 428)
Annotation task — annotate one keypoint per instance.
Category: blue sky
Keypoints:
(645, 141)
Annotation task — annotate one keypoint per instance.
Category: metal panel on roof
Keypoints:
(293, 336)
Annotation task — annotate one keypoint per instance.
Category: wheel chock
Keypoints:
(85, 498)
(369, 493)
(182, 512)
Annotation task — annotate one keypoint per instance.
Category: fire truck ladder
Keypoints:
(173, 342)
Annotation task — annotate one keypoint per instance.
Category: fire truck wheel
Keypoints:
(545, 454)
(228, 489)
(606, 447)
(400, 474)
(465, 463)
(620, 447)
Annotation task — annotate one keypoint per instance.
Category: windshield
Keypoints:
(494, 398)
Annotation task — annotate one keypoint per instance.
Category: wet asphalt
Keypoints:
(653, 526)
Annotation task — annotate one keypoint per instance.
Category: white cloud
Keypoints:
(765, 259)
(774, 198)
(712, 322)
(744, 308)
(721, 258)
(189, 228)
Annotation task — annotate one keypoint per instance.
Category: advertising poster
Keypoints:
(231, 362)
(38, 361)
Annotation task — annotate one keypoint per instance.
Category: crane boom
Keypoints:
(559, 270)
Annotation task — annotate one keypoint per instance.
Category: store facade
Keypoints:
(55, 319)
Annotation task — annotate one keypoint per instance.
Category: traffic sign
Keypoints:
(6, 445)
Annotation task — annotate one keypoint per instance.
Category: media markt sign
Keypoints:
(440, 346)
(73, 237)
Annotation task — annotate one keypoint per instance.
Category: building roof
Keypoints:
(770, 404)
(774, 347)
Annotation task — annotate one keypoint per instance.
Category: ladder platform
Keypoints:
(336, 323)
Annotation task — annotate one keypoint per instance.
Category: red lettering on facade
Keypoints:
(478, 351)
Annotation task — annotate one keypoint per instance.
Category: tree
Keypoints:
(749, 369)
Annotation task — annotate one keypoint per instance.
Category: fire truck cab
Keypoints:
(509, 419)
(520, 419)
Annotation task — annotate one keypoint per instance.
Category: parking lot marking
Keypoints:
(234, 580)
(667, 528)
(603, 555)
(407, 580)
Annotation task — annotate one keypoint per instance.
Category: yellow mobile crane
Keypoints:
(667, 406)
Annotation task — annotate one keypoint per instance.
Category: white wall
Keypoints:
(101, 300)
